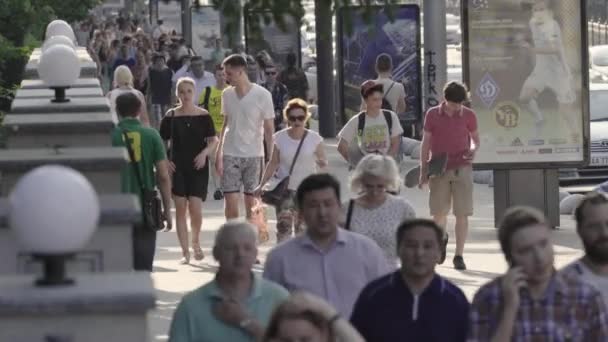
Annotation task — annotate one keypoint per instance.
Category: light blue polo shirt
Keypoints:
(193, 320)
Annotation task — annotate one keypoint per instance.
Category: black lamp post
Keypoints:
(54, 270)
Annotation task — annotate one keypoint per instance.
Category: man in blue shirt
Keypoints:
(413, 303)
(237, 304)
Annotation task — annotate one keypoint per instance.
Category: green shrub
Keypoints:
(12, 65)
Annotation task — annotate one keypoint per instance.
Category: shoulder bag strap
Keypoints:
(360, 124)
(171, 147)
(389, 89)
(132, 160)
(205, 103)
(295, 157)
(349, 214)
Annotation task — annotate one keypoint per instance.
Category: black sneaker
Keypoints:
(218, 195)
(444, 248)
(459, 263)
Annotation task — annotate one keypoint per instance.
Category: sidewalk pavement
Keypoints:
(482, 252)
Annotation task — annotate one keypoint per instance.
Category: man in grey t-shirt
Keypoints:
(592, 227)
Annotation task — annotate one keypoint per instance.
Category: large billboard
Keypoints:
(206, 30)
(360, 42)
(274, 40)
(525, 62)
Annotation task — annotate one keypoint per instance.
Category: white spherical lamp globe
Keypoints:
(56, 40)
(53, 210)
(59, 28)
(59, 66)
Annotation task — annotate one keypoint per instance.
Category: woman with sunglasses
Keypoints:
(310, 159)
(375, 212)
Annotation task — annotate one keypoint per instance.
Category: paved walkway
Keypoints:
(482, 253)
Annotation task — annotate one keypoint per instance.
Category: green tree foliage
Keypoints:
(22, 25)
(265, 11)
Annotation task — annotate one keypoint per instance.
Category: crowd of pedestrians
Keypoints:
(360, 269)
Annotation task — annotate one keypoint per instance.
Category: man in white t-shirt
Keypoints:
(592, 227)
(249, 122)
(378, 131)
(196, 70)
(394, 92)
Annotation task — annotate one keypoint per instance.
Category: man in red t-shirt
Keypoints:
(451, 129)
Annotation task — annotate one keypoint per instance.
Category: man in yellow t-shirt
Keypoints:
(211, 100)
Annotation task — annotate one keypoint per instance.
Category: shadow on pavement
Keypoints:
(160, 318)
(163, 269)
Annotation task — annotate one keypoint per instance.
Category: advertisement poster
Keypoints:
(525, 64)
(359, 49)
(206, 30)
(276, 42)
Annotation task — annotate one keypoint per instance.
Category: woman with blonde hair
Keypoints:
(191, 136)
(375, 211)
(123, 83)
(305, 317)
(310, 158)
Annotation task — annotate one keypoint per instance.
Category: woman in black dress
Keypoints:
(189, 131)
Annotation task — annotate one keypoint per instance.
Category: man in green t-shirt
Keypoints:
(149, 154)
(211, 100)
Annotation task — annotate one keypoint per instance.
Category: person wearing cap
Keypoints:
(374, 130)
(451, 129)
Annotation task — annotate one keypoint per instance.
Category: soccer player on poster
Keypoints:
(550, 71)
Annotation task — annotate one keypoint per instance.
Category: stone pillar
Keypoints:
(97, 308)
(435, 54)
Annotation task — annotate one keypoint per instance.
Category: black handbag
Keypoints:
(276, 195)
(151, 205)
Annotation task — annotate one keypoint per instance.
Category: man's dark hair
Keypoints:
(235, 60)
(126, 39)
(196, 59)
(291, 59)
(128, 105)
(514, 220)
(316, 182)
(158, 56)
(384, 63)
(418, 222)
(592, 198)
(369, 87)
(455, 92)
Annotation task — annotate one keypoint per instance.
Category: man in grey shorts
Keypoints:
(249, 121)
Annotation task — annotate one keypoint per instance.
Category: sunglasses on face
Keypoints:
(298, 118)
(371, 187)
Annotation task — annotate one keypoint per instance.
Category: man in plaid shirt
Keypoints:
(532, 302)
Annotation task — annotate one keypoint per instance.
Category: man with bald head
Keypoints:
(237, 304)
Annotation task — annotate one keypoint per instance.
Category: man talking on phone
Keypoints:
(533, 302)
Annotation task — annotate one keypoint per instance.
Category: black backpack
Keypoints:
(387, 116)
(385, 104)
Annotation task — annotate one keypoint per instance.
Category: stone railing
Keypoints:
(108, 301)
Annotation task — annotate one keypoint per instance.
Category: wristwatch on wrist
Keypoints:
(245, 323)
